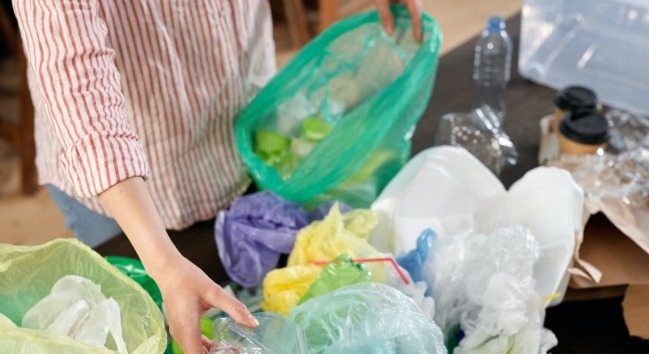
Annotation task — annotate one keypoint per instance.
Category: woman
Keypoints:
(135, 103)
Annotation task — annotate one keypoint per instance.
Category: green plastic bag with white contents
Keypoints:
(336, 122)
(27, 275)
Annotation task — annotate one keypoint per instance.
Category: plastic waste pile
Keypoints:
(483, 270)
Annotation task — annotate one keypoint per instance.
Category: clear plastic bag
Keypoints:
(28, 275)
(483, 287)
(368, 318)
(276, 334)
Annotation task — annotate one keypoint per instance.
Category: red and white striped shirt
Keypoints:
(126, 88)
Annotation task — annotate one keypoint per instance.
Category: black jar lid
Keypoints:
(576, 98)
(589, 128)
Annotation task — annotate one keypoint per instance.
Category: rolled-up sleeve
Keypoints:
(74, 71)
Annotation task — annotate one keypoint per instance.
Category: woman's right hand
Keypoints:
(187, 293)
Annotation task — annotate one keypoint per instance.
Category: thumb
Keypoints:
(236, 309)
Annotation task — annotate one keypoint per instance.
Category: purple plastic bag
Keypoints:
(257, 229)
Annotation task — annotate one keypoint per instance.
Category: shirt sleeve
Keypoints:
(74, 71)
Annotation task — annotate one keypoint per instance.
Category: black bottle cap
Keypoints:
(576, 98)
(589, 128)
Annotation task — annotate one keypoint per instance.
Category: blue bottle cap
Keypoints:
(495, 24)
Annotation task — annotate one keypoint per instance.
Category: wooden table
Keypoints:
(588, 327)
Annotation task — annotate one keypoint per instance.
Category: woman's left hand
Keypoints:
(414, 7)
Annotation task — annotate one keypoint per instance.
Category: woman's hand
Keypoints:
(414, 7)
(186, 291)
(187, 294)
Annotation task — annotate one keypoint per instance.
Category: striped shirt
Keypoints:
(150, 88)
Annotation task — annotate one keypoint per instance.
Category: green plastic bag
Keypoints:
(339, 273)
(368, 89)
(134, 269)
(27, 275)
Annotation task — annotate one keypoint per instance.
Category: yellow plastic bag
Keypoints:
(283, 288)
(336, 234)
(27, 275)
(320, 241)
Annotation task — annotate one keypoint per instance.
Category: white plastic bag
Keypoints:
(483, 287)
(448, 190)
(77, 308)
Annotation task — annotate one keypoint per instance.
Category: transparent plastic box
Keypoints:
(601, 44)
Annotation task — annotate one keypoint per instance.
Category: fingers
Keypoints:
(207, 343)
(233, 307)
(383, 7)
(414, 8)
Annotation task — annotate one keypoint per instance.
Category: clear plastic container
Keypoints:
(276, 334)
(601, 44)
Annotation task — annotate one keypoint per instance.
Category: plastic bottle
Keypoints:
(492, 66)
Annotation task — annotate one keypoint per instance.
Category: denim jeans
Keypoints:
(88, 226)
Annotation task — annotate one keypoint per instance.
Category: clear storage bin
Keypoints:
(601, 44)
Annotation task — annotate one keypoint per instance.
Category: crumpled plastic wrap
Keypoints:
(627, 131)
(623, 177)
(483, 287)
(276, 334)
(76, 308)
(481, 133)
(367, 318)
(257, 229)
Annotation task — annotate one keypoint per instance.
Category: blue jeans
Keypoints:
(88, 226)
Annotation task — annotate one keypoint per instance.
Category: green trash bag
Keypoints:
(336, 122)
(27, 275)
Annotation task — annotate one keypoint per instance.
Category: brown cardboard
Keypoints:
(636, 310)
(621, 262)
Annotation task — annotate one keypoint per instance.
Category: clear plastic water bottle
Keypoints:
(492, 66)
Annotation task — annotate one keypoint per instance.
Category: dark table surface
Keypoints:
(582, 327)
